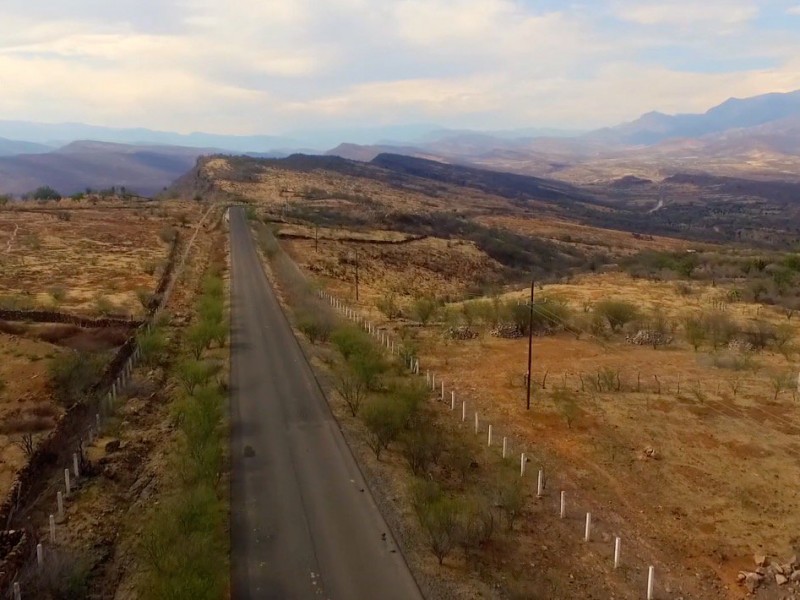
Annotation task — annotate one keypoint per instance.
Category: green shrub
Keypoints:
(180, 548)
(72, 374)
(384, 419)
(351, 342)
(194, 373)
(617, 313)
(152, 345)
(424, 309)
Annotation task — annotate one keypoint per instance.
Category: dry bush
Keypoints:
(24, 423)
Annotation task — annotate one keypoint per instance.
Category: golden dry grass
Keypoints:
(96, 260)
(429, 266)
(24, 399)
(586, 237)
(727, 450)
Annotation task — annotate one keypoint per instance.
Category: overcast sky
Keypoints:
(272, 66)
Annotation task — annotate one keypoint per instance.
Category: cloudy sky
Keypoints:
(272, 66)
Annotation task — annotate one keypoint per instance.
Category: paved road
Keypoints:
(303, 524)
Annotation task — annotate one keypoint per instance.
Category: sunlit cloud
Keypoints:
(276, 66)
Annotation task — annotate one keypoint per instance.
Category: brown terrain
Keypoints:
(73, 274)
(686, 454)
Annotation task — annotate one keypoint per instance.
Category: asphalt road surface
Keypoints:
(303, 523)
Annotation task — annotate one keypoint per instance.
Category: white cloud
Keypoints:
(794, 10)
(689, 13)
(271, 66)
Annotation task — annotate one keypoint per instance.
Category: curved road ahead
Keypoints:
(303, 523)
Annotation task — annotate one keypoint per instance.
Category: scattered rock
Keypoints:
(780, 579)
(740, 345)
(795, 577)
(761, 560)
(645, 337)
(650, 452)
(112, 446)
(460, 333)
(752, 581)
(507, 331)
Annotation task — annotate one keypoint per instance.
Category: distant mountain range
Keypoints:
(656, 127)
(13, 147)
(739, 137)
(145, 170)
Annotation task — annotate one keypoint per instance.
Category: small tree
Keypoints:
(73, 374)
(384, 420)
(510, 499)
(152, 345)
(145, 298)
(389, 307)
(194, 373)
(352, 389)
(424, 309)
(198, 338)
(350, 342)
(46, 193)
(368, 367)
(781, 382)
(440, 520)
(567, 404)
(695, 332)
(476, 526)
(422, 446)
(617, 313)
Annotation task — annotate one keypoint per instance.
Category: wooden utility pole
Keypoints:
(530, 347)
(356, 275)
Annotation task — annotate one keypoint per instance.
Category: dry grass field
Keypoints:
(718, 487)
(583, 236)
(88, 260)
(690, 455)
(78, 258)
(26, 405)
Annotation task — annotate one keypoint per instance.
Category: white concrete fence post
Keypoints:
(617, 543)
(433, 381)
(39, 556)
(540, 484)
(463, 410)
(60, 502)
(522, 464)
(505, 446)
(452, 400)
(52, 529)
(476, 422)
(17, 593)
(563, 504)
(651, 580)
(442, 391)
(588, 533)
(76, 465)
(66, 481)
(489, 441)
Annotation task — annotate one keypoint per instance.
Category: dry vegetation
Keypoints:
(685, 446)
(86, 259)
(79, 258)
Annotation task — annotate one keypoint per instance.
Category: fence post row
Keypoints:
(430, 377)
